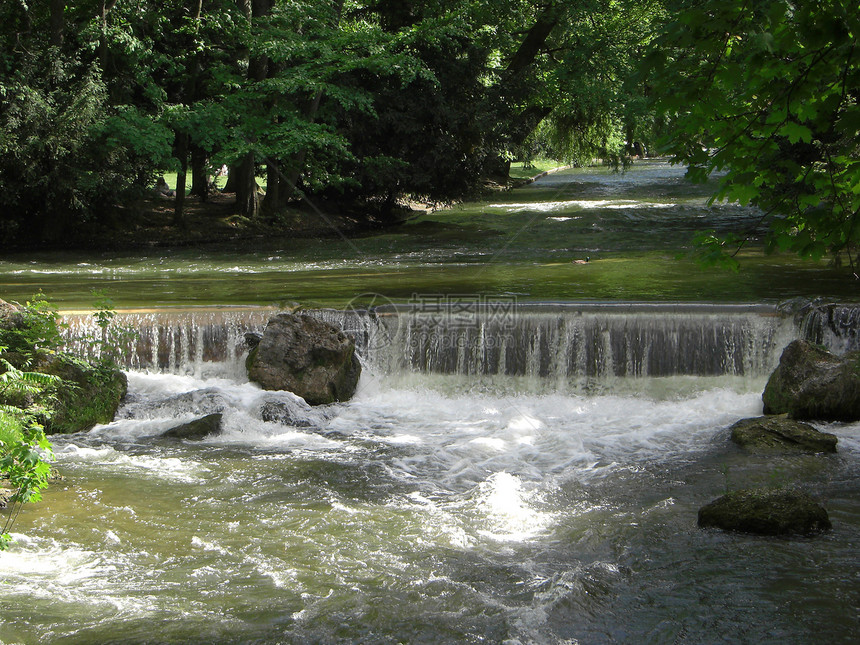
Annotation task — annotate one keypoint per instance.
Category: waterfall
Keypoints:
(602, 341)
(196, 342)
(836, 326)
(544, 340)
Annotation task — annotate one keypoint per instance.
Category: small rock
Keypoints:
(779, 433)
(252, 339)
(766, 512)
(285, 414)
(197, 429)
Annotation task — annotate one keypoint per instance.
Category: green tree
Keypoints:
(767, 92)
(70, 147)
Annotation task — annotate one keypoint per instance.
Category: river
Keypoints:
(635, 228)
(509, 471)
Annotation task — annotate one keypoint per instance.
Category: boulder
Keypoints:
(90, 394)
(781, 434)
(197, 429)
(11, 316)
(198, 402)
(305, 356)
(813, 384)
(284, 414)
(766, 512)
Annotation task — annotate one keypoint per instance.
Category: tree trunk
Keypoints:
(535, 39)
(57, 8)
(520, 125)
(246, 187)
(232, 179)
(199, 180)
(179, 200)
(105, 7)
(273, 184)
(298, 161)
(246, 183)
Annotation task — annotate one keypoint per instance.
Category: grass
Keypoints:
(170, 178)
(537, 166)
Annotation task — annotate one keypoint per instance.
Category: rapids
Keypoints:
(448, 502)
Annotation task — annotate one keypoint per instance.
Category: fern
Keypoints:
(16, 380)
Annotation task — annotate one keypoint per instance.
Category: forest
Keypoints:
(359, 107)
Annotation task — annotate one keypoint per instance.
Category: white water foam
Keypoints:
(540, 207)
(169, 468)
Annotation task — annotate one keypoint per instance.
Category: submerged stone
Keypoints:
(285, 414)
(766, 512)
(197, 429)
(779, 433)
(305, 356)
(813, 384)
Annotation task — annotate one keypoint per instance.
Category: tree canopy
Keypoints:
(355, 101)
(361, 103)
(766, 91)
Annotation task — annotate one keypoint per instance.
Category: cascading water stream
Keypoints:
(505, 474)
(555, 342)
(451, 500)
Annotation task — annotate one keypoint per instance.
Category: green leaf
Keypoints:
(796, 132)
(743, 193)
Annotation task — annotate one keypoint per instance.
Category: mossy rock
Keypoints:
(810, 383)
(781, 434)
(90, 394)
(766, 512)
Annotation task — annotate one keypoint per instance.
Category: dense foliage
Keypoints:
(360, 102)
(25, 452)
(767, 91)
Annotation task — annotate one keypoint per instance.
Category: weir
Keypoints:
(562, 341)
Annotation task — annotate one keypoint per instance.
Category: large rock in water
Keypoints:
(90, 394)
(765, 512)
(11, 316)
(811, 383)
(781, 434)
(305, 356)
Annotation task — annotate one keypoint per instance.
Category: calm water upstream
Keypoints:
(513, 475)
(632, 226)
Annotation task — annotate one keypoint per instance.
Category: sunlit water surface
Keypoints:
(441, 508)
